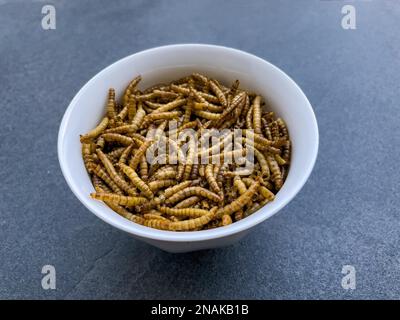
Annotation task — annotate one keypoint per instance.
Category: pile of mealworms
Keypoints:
(185, 195)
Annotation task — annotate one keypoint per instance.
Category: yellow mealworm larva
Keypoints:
(207, 115)
(187, 212)
(99, 185)
(143, 168)
(267, 130)
(266, 193)
(164, 174)
(136, 181)
(126, 153)
(183, 185)
(103, 175)
(192, 191)
(113, 173)
(236, 101)
(249, 118)
(87, 155)
(209, 174)
(131, 108)
(159, 116)
(188, 202)
(190, 159)
(282, 128)
(286, 151)
(218, 92)
(202, 170)
(261, 160)
(111, 104)
(161, 184)
(246, 106)
(155, 216)
(123, 212)
(257, 114)
(185, 225)
(201, 78)
(138, 118)
(240, 202)
(129, 90)
(275, 171)
(239, 185)
(116, 137)
(279, 159)
(134, 162)
(258, 138)
(96, 131)
(170, 106)
(118, 199)
(201, 106)
(274, 130)
(226, 220)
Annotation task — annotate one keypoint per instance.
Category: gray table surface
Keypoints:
(347, 213)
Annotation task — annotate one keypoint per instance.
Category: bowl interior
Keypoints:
(169, 63)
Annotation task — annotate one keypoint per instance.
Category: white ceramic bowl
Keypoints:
(167, 63)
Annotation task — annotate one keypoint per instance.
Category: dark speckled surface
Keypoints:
(348, 212)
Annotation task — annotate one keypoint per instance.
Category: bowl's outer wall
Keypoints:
(168, 63)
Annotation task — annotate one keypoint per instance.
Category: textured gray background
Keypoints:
(348, 212)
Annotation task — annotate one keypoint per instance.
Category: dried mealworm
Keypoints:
(267, 130)
(249, 118)
(187, 212)
(143, 168)
(282, 128)
(188, 202)
(286, 151)
(102, 174)
(185, 225)
(118, 199)
(192, 191)
(131, 108)
(126, 153)
(161, 184)
(275, 171)
(113, 173)
(239, 185)
(118, 138)
(172, 190)
(257, 114)
(279, 159)
(209, 174)
(164, 174)
(96, 131)
(240, 202)
(218, 92)
(129, 90)
(136, 181)
(155, 216)
(170, 106)
(134, 162)
(111, 104)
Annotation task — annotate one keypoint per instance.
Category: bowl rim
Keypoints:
(188, 236)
